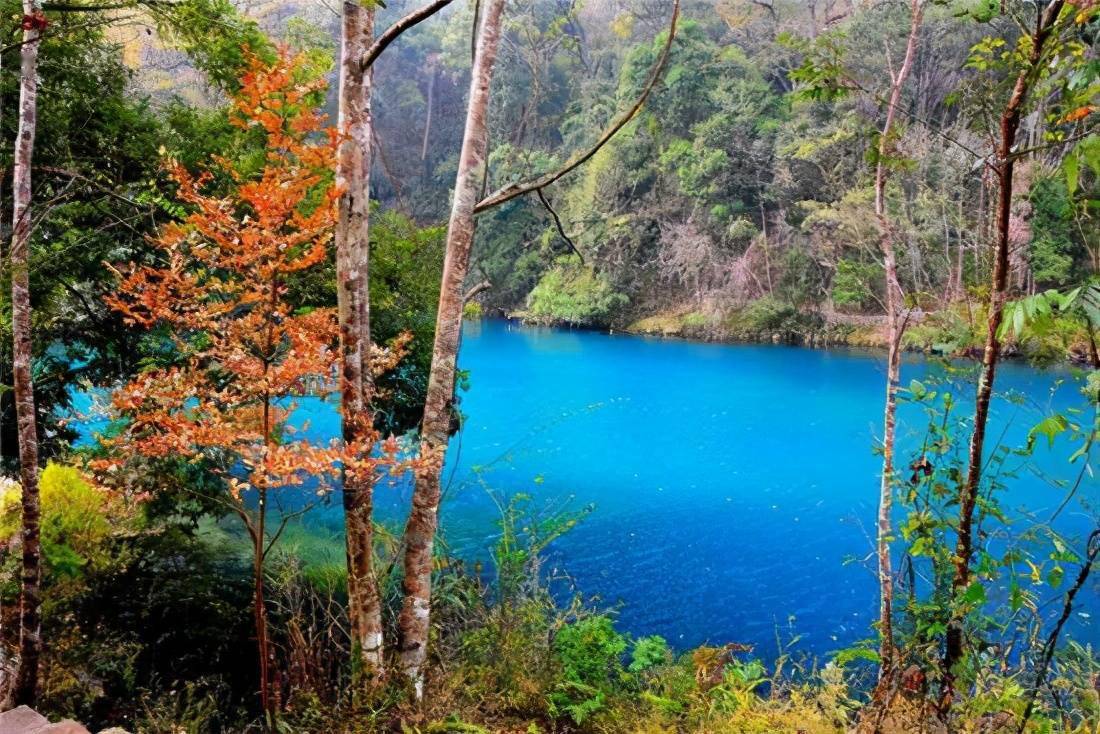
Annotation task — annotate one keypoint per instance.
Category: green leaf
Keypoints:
(1015, 596)
(852, 654)
(1071, 167)
(974, 594)
(1050, 427)
(920, 547)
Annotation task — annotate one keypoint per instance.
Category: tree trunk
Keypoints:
(968, 493)
(353, 294)
(259, 610)
(895, 327)
(30, 644)
(423, 519)
(433, 72)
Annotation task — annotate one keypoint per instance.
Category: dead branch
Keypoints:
(1092, 550)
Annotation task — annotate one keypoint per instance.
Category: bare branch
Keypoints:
(395, 30)
(479, 288)
(77, 176)
(557, 223)
(286, 518)
(513, 190)
(77, 8)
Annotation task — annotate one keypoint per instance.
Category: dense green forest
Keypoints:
(216, 210)
(739, 203)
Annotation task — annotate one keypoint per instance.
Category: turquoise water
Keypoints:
(732, 484)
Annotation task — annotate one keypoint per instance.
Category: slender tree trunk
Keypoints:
(259, 610)
(764, 241)
(423, 519)
(433, 72)
(258, 532)
(30, 643)
(968, 492)
(353, 296)
(895, 327)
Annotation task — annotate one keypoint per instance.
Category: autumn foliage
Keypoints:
(220, 296)
(241, 352)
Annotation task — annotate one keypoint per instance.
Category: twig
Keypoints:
(1093, 548)
(473, 30)
(557, 223)
(77, 176)
(285, 520)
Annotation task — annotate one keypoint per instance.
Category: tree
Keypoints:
(241, 350)
(30, 644)
(439, 410)
(98, 190)
(1032, 59)
(415, 618)
(826, 78)
(353, 164)
(895, 326)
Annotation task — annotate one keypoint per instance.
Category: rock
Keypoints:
(22, 720)
(25, 720)
(114, 730)
(65, 726)
(1002, 721)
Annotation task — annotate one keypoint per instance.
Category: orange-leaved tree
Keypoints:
(241, 352)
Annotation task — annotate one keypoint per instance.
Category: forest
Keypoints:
(348, 349)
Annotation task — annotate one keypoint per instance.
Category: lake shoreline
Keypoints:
(925, 335)
(839, 335)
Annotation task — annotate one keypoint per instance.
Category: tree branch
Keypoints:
(557, 223)
(63, 7)
(395, 30)
(513, 190)
(1092, 549)
(473, 291)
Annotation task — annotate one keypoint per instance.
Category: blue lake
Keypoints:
(731, 483)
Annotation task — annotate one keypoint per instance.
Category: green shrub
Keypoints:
(76, 531)
(767, 316)
(506, 658)
(694, 320)
(852, 283)
(573, 293)
(473, 311)
(589, 652)
(949, 331)
(648, 653)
